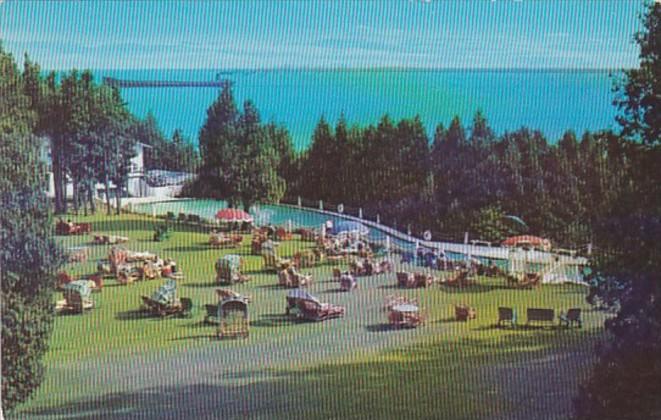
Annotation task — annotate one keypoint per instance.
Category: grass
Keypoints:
(339, 368)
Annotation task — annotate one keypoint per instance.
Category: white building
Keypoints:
(136, 185)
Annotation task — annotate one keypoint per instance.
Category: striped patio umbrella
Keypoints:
(233, 215)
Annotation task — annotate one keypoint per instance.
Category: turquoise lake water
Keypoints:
(552, 101)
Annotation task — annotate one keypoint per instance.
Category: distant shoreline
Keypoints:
(369, 69)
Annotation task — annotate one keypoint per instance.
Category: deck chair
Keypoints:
(186, 307)
(572, 317)
(405, 279)
(506, 315)
(211, 316)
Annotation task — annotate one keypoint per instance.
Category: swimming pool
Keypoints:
(296, 217)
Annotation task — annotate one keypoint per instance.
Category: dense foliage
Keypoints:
(28, 255)
(242, 159)
(174, 154)
(449, 187)
(626, 381)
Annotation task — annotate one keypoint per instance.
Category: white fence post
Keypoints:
(299, 202)
(321, 205)
(360, 213)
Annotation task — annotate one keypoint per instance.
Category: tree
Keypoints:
(240, 155)
(16, 114)
(28, 259)
(217, 143)
(626, 381)
(489, 224)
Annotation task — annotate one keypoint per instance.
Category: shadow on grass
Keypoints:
(195, 337)
(272, 287)
(188, 248)
(113, 224)
(472, 288)
(334, 291)
(274, 320)
(201, 284)
(381, 327)
(134, 315)
(329, 390)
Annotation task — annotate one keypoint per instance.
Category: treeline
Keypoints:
(467, 180)
(244, 160)
(464, 179)
(176, 153)
(91, 132)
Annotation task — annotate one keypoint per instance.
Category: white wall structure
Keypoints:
(136, 186)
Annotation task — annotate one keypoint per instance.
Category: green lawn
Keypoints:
(339, 368)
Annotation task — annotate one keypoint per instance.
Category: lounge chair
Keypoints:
(228, 270)
(160, 309)
(423, 279)
(234, 321)
(274, 263)
(315, 311)
(306, 306)
(348, 282)
(460, 279)
(212, 314)
(506, 315)
(405, 279)
(76, 298)
(526, 281)
(400, 316)
(291, 278)
(571, 317)
(392, 301)
(464, 312)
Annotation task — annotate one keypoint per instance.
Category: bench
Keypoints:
(538, 315)
(506, 315)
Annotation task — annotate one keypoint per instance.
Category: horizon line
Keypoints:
(366, 69)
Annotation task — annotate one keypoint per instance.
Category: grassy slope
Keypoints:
(447, 368)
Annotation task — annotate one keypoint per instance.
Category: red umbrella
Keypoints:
(233, 215)
(535, 241)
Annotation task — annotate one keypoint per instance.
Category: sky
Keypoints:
(576, 34)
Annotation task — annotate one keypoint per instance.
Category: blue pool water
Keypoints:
(278, 215)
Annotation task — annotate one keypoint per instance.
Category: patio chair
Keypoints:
(405, 279)
(506, 315)
(423, 279)
(211, 316)
(464, 312)
(571, 317)
(348, 282)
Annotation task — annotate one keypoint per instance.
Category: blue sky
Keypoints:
(323, 34)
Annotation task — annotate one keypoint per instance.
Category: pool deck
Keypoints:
(471, 250)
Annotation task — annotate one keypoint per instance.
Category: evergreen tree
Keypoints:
(218, 143)
(28, 259)
(626, 381)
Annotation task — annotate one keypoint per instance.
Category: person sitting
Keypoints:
(368, 267)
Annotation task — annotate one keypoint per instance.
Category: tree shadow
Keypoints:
(274, 320)
(188, 248)
(110, 224)
(134, 315)
(381, 327)
(202, 284)
(272, 287)
(470, 288)
(335, 291)
(209, 337)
